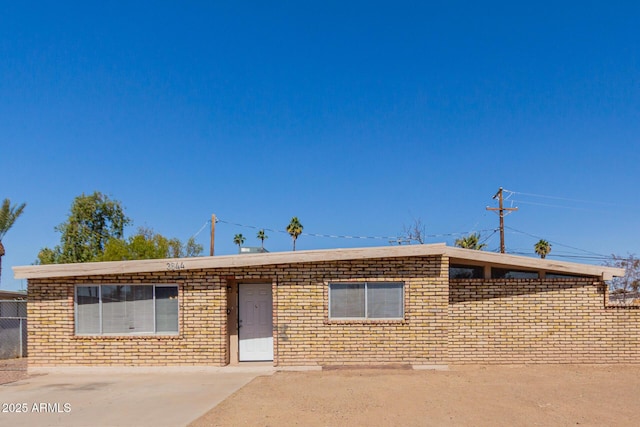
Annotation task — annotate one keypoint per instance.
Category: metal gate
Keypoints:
(13, 329)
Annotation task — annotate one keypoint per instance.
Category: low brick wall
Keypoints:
(539, 321)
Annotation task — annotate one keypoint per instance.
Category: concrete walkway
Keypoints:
(120, 397)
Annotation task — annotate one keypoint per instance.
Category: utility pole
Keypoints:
(213, 233)
(501, 209)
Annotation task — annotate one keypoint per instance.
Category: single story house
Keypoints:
(415, 305)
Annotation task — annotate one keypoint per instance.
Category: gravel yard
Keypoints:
(531, 395)
(12, 370)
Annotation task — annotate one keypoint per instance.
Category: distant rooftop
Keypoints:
(12, 295)
(253, 250)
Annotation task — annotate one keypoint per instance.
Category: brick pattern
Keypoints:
(302, 332)
(539, 321)
(307, 336)
(467, 321)
(202, 323)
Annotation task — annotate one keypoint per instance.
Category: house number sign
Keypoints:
(175, 266)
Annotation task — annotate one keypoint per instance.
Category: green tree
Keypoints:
(192, 248)
(147, 244)
(93, 220)
(472, 241)
(94, 231)
(542, 248)
(294, 229)
(8, 216)
(239, 239)
(262, 236)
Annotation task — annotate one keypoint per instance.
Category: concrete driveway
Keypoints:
(120, 397)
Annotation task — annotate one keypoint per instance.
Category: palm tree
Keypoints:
(262, 236)
(294, 229)
(239, 239)
(8, 215)
(542, 248)
(472, 241)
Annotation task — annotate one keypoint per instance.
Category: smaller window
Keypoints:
(500, 273)
(366, 300)
(458, 271)
(562, 276)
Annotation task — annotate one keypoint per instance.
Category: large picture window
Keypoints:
(366, 300)
(126, 309)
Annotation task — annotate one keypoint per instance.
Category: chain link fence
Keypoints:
(13, 329)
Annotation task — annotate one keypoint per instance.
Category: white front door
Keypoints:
(255, 319)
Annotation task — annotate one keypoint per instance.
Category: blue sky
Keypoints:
(357, 117)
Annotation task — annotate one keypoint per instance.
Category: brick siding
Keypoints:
(202, 324)
(468, 321)
(539, 321)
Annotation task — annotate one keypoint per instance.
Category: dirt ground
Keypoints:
(531, 395)
(12, 370)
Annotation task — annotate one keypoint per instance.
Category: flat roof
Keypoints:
(456, 255)
(5, 295)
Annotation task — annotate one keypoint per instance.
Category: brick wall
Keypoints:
(303, 333)
(539, 321)
(468, 321)
(202, 323)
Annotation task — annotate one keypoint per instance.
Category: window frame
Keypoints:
(511, 273)
(366, 317)
(476, 271)
(101, 333)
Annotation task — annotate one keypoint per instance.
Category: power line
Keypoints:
(586, 257)
(396, 239)
(488, 237)
(559, 198)
(337, 236)
(556, 206)
(201, 228)
(555, 243)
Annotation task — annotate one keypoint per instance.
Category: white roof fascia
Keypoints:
(461, 256)
(457, 255)
(225, 261)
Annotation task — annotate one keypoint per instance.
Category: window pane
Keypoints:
(384, 300)
(166, 309)
(127, 309)
(346, 300)
(562, 276)
(500, 273)
(114, 309)
(88, 310)
(466, 272)
(140, 310)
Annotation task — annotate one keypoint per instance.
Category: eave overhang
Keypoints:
(455, 255)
